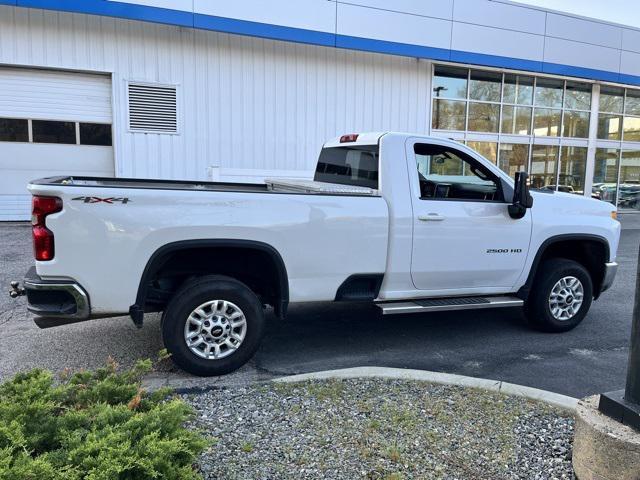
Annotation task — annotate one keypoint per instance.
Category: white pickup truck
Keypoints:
(412, 223)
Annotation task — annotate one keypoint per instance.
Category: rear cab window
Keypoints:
(355, 165)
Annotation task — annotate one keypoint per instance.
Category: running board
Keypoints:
(448, 304)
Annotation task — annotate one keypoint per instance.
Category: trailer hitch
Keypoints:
(16, 290)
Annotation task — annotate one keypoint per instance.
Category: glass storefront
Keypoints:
(543, 125)
(629, 186)
(544, 166)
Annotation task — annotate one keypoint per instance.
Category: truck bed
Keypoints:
(305, 187)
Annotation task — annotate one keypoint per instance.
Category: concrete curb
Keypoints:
(555, 399)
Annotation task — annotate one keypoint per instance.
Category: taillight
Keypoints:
(352, 137)
(43, 245)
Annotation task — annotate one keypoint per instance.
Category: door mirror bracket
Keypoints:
(522, 199)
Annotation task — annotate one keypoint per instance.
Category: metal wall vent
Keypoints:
(153, 108)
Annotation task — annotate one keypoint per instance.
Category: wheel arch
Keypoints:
(164, 255)
(592, 251)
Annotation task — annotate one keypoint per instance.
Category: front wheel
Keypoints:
(561, 296)
(213, 325)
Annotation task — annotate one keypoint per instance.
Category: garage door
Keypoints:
(51, 123)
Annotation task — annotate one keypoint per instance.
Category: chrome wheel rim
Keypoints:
(215, 329)
(566, 298)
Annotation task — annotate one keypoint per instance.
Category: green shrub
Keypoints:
(93, 425)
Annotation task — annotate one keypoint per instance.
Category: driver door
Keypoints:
(464, 240)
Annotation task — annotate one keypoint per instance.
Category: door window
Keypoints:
(448, 174)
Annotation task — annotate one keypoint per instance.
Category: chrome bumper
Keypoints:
(610, 270)
(62, 300)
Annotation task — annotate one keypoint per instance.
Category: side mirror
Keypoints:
(522, 199)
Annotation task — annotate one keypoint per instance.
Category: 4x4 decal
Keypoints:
(111, 200)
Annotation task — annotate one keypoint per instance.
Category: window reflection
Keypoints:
(631, 129)
(488, 150)
(483, 117)
(632, 102)
(450, 82)
(544, 163)
(485, 86)
(611, 99)
(549, 92)
(609, 126)
(516, 120)
(546, 122)
(576, 124)
(629, 188)
(518, 89)
(605, 175)
(573, 166)
(577, 96)
(513, 158)
(448, 115)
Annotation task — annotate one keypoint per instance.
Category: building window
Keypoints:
(488, 150)
(573, 167)
(629, 187)
(485, 86)
(516, 120)
(575, 124)
(605, 175)
(513, 157)
(55, 131)
(483, 117)
(14, 130)
(609, 126)
(50, 131)
(544, 166)
(518, 89)
(450, 82)
(449, 114)
(95, 134)
(548, 93)
(546, 122)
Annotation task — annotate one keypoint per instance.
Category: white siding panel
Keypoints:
(41, 94)
(500, 15)
(581, 30)
(244, 102)
(317, 15)
(394, 27)
(493, 41)
(630, 63)
(438, 9)
(631, 40)
(567, 52)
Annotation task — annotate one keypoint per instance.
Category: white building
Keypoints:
(243, 89)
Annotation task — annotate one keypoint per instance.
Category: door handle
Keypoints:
(431, 217)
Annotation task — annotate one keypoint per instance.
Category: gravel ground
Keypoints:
(379, 429)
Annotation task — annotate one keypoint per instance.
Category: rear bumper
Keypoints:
(55, 302)
(610, 270)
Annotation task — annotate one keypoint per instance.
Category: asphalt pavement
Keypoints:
(492, 344)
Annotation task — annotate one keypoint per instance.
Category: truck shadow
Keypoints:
(326, 336)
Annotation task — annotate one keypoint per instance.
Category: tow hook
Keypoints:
(16, 290)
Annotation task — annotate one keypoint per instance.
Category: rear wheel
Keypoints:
(561, 296)
(213, 325)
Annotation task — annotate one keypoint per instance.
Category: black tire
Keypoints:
(537, 308)
(195, 293)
